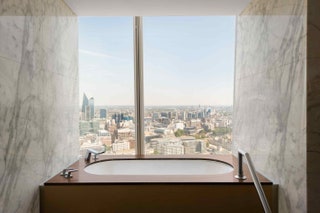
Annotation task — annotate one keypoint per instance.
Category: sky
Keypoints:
(187, 60)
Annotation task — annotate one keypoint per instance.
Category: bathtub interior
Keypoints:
(159, 167)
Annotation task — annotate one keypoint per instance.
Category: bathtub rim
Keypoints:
(163, 159)
(160, 158)
(82, 178)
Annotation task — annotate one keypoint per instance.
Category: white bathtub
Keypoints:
(159, 167)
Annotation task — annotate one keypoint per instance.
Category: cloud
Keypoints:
(96, 54)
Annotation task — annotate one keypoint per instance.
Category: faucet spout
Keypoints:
(254, 176)
(95, 153)
(240, 175)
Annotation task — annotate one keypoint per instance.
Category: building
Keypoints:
(105, 140)
(195, 123)
(155, 115)
(103, 132)
(179, 125)
(120, 146)
(194, 147)
(201, 114)
(162, 131)
(88, 127)
(167, 146)
(182, 115)
(94, 126)
(85, 107)
(190, 130)
(91, 108)
(103, 113)
(84, 127)
(125, 133)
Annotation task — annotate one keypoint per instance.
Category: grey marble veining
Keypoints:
(14, 25)
(270, 95)
(39, 98)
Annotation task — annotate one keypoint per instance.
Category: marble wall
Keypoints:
(313, 105)
(270, 95)
(38, 98)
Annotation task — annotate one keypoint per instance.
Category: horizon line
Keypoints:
(185, 105)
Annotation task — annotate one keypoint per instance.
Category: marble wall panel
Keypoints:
(11, 32)
(270, 95)
(39, 98)
(273, 48)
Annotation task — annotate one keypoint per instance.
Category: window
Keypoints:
(187, 92)
(107, 113)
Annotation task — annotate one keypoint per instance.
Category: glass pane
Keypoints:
(106, 84)
(188, 69)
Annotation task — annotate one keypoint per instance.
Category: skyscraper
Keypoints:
(91, 108)
(85, 105)
(103, 113)
(87, 108)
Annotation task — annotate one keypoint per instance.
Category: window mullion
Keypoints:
(138, 81)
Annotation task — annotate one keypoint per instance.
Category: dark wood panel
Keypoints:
(154, 198)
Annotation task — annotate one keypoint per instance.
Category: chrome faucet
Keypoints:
(94, 152)
(67, 172)
(254, 176)
(240, 175)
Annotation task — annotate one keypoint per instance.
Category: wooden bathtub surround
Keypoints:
(81, 177)
(175, 193)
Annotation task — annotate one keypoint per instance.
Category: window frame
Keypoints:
(138, 84)
(138, 71)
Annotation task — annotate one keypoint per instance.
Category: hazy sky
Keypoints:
(187, 60)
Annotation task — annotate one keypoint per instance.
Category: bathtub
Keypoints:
(149, 184)
(159, 167)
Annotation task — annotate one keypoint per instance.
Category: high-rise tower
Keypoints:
(91, 108)
(85, 106)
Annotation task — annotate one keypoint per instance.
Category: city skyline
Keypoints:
(167, 130)
(175, 74)
(146, 106)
